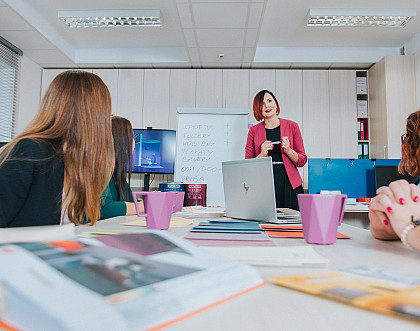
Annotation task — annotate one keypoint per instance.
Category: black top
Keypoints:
(274, 135)
(31, 185)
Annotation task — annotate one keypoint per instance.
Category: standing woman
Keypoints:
(287, 155)
(56, 170)
(117, 199)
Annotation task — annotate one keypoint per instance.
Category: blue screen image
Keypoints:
(154, 151)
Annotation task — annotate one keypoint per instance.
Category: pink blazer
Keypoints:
(256, 137)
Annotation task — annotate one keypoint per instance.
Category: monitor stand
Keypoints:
(146, 182)
(147, 176)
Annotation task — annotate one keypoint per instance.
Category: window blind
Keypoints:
(9, 82)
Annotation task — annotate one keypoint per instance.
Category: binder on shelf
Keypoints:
(362, 109)
(365, 150)
(365, 126)
(360, 150)
(362, 130)
(361, 85)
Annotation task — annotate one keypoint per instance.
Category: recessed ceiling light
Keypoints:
(110, 18)
(360, 17)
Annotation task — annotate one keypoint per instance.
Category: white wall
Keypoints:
(413, 48)
(34, 80)
(29, 91)
(417, 75)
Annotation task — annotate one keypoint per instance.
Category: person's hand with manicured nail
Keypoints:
(392, 210)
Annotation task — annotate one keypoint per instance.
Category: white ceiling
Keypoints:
(250, 34)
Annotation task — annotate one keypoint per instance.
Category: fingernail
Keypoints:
(389, 209)
(402, 201)
(416, 198)
(386, 222)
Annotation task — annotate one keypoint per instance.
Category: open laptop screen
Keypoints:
(386, 174)
(249, 189)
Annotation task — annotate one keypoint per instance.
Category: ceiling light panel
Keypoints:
(110, 18)
(360, 17)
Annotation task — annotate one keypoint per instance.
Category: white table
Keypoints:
(276, 308)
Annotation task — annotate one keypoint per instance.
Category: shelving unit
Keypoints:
(392, 97)
(362, 94)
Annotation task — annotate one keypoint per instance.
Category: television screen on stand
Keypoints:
(154, 152)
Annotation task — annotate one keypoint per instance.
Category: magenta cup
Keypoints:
(321, 215)
(179, 200)
(158, 208)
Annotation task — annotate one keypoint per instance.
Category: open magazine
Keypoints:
(132, 281)
(385, 291)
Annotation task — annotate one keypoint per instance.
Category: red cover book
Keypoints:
(195, 195)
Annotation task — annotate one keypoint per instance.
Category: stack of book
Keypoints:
(225, 233)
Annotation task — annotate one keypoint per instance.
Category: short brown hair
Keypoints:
(259, 103)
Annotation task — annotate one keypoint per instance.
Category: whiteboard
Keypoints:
(204, 138)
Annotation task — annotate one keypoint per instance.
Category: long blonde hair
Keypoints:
(76, 110)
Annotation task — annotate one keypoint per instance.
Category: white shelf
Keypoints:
(363, 96)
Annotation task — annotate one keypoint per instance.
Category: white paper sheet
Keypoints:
(273, 256)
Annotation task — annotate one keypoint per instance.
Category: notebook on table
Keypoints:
(249, 192)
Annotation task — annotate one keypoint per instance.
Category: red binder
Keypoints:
(362, 130)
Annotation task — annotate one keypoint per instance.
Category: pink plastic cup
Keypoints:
(179, 200)
(321, 215)
(158, 208)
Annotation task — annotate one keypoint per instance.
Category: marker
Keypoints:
(276, 142)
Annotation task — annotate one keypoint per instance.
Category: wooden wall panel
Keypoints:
(343, 113)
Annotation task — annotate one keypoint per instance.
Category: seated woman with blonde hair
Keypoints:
(395, 211)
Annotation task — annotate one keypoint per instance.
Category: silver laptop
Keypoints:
(249, 192)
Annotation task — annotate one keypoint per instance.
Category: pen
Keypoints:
(276, 142)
